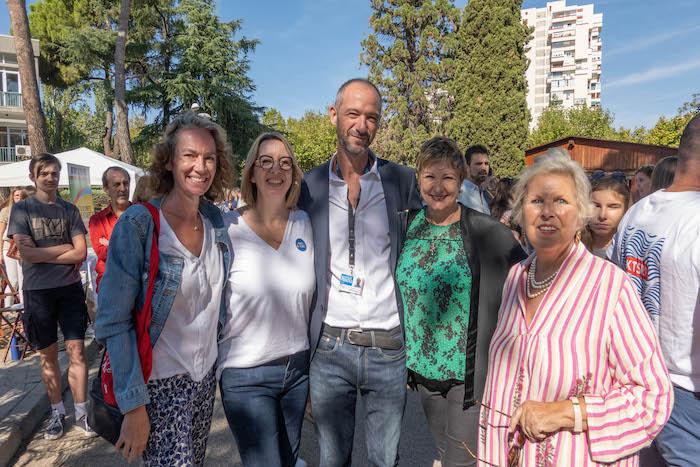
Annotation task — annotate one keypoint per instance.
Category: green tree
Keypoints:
(77, 44)
(191, 56)
(638, 135)
(70, 122)
(489, 86)
(667, 131)
(312, 136)
(407, 58)
(273, 120)
(588, 122)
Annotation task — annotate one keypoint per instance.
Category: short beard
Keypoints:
(352, 150)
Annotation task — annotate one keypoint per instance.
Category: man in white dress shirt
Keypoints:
(472, 195)
(356, 335)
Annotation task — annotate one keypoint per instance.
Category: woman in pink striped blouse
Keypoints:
(576, 376)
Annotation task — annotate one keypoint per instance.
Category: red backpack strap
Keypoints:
(143, 319)
(153, 260)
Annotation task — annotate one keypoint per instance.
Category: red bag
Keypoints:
(142, 320)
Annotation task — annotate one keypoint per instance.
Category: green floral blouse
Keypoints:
(435, 282)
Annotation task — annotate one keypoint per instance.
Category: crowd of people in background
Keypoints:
(546, 319)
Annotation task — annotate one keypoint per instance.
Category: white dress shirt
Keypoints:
(376, 308)
(187, 344)
(472, 196)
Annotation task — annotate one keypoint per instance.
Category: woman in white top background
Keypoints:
(263, 351)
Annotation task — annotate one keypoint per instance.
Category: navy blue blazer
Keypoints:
(401, 193)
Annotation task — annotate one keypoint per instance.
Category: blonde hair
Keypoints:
(249, 191)
(10, 201)
(162, 178)
(142, 191)
(555, 161)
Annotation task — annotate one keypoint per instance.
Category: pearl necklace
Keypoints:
(536, 288)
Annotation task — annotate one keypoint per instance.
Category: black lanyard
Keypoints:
(351, 214)
(351, 235)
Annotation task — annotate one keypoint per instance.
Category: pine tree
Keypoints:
(406, 57)
(489, 86)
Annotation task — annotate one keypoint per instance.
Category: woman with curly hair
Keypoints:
(167, 418)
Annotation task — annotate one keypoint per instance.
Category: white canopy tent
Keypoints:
(17, 173)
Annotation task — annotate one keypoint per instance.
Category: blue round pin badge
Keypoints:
(301, 244)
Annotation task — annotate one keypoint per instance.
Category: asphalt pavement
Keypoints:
(416, 449)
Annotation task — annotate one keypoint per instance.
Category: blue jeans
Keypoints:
(264, 407)
(338, 371)
(679, 440)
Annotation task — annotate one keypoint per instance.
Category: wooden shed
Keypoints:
(594, 154)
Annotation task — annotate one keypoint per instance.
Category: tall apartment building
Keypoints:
(14, 142)
(565, 56)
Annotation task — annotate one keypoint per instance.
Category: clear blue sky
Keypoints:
(651, 61)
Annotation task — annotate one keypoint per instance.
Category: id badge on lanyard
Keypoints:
(349, 283)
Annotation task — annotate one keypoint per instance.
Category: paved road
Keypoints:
(416, 450)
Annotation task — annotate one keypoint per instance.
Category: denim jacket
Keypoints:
(124, 286)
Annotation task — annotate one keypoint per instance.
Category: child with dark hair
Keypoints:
(611, 198)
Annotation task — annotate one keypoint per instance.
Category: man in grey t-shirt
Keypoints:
(50, 236)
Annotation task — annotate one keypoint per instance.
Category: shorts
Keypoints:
(45, 309)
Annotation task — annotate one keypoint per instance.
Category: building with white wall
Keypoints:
(14, 142)
(565, 56)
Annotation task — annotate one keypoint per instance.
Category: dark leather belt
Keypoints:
(366, 337)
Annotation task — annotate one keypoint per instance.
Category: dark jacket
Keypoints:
(399, 185)
(491, 251)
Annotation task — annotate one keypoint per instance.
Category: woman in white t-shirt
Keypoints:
(264, 346)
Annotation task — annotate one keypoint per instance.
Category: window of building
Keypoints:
(11, 82)
(17, 136)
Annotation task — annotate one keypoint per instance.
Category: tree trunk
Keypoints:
(36, 124)
(123, 138)
(109, 116)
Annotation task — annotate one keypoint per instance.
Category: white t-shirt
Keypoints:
(269, 294)
(187, 344)
(658, 244)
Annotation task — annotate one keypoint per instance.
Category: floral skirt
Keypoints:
(180, 414)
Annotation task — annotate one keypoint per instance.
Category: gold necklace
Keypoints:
(196, 219)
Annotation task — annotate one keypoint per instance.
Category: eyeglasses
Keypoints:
(599, 176)
(619, 176)
(267, 163)
(513, 451)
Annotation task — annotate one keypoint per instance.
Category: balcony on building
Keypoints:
(13, 123)
(562, 84)
(558, 27)
(563, 36)
(566, 15)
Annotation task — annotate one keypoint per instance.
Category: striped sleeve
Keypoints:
(631, 414)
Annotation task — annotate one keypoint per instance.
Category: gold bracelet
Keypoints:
(578, 417)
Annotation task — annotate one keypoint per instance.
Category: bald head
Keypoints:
(689, 149)
(687, 176)
(354, 83)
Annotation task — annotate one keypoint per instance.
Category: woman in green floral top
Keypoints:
(439, 275)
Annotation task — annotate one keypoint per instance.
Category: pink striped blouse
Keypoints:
(590, 337)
